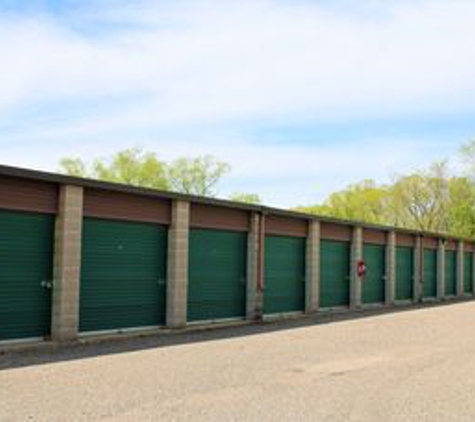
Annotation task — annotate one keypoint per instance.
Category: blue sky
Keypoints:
(300, 97)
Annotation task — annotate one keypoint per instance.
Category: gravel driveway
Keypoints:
(412, 365)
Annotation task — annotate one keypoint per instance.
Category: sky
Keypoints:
(300, 97)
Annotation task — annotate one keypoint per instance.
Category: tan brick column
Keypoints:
(418, 277)
(390, 287)
(254, 296)
(356, 255)
(177, 265)
(441, 269)
(460, 268)
(67, 263)
(312, 267)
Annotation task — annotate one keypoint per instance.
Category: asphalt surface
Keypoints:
(416, 365)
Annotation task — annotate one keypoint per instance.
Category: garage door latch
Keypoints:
(47, 284)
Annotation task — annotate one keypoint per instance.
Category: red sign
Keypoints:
(361, 268)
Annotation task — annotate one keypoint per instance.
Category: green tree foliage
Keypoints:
(73, 167)
(131, 166)
(134, 166)
(421, 200)
(198, 176)
(461, 214)
(365, 201)
(431, 200)
(467, 153)
(247, 198)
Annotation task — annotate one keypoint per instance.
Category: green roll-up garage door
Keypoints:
(26, 260)
(123, 275)
(284, 289)
(217, 274)
(468, 272)
(404, 273)
(374, 281)
(450, 273)
(430, 273)
(334, 273)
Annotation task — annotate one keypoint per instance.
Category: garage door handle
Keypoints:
(47, 284)
(162, 282)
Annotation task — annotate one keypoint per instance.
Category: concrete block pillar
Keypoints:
(441, 269)
(355, 280)
(418, 277)
(312, 268)
(254, 295)
(67, 264)
(390, 287)
(460, 268)
(177, 264)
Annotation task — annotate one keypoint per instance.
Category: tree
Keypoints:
(365, 201)
(197, 176)
(422, 200)
(73, 167)
(430, 200)
(133, 167)
(467, 153)
(247, 198)
(137, 167)
(461, 214)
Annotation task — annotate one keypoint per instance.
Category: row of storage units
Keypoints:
(123, 281)
(123, 274)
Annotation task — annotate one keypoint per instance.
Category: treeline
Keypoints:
(431, 200)
(134, 166)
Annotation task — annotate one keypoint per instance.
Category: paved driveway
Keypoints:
(414, 365)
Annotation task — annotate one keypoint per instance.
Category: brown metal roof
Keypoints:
(118, 187)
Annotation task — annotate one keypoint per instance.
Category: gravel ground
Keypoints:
(412, 365)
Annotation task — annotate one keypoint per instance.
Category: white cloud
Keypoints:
(159, 67)
(250, 60)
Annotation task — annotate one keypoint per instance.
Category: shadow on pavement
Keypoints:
(49, 353)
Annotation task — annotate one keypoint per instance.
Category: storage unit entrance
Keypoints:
(217, 268)
(26, 274)
(27, 223)
(373, 290)
(450, 273)
(374, 254)
(123, 266)
(468, 272)
(404, 273)
(284, 274)
(430, 269)
(217, 275)
(284, 285)
(335, 250)
(123, 276)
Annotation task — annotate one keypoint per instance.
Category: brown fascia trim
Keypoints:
(356, 223)
(118, 187)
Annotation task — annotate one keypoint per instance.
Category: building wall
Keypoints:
(182, 213)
